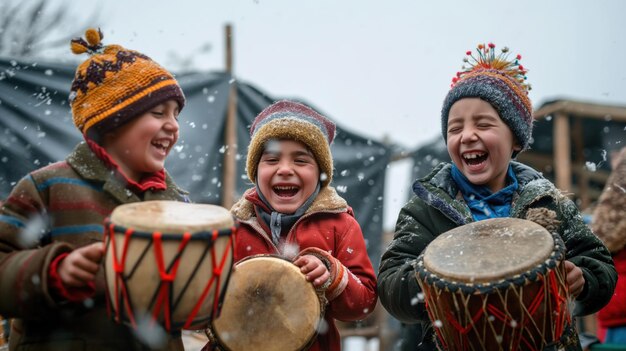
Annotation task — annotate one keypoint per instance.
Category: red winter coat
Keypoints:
(328, 229)
(614, 314)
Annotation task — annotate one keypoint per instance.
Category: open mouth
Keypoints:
(286, 191)
(162, 145)
(475, 157)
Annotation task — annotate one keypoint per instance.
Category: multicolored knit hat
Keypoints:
(115, 85)
(498, 81)
(288, 120)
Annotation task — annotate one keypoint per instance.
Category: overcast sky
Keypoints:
(380, 68)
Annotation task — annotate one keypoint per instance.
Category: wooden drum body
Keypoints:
(496, 284)
(168, 262)
(269, 306)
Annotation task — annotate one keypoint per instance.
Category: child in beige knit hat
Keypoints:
(292, 211)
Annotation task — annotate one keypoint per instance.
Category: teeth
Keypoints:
(286, 187)
(472, 155)
(164, 144)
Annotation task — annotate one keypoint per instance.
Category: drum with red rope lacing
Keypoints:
(167, 262)
(496, 284)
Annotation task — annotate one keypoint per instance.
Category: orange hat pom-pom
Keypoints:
(93, 36)
(92, 45)
(78, 46)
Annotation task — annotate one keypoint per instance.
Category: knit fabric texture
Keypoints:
(114, 85)
(288, 120)
(498, 81)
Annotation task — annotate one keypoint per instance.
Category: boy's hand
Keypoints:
(575, 278)
(81, 265)
(314, 270)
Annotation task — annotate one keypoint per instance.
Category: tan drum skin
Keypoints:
(269, 305)
(495, 284)
(184, 288)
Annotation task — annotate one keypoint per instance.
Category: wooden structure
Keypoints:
(230, 128)
(570, 148)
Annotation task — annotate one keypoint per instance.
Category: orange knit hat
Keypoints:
(115, 85)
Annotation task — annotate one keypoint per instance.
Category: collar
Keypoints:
(153, 181)
(476, 192)
(88, 166)
(327, 200)
(278, 222)
(482, 202)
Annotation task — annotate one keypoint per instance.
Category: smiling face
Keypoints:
(287, 174)
(479, 143)
(140, 146)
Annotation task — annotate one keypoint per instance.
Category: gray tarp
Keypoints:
(36, 129)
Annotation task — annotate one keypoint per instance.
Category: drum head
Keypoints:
(488, 250)
(171, 217)
(268, 305)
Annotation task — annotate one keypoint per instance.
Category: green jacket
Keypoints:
(437, 208)
(49, 212)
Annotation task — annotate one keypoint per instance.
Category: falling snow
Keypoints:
(590, 166)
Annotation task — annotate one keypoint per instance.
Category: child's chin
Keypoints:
(477, 180)
(286, 208)
(155, 167)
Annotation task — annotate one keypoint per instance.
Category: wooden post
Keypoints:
(562, 154)
(581, 169)
(229, 180)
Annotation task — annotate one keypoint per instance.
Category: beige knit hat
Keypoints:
(292, 121)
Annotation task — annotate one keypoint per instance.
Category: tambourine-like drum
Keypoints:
(269, 305)
(496, 284)
(168, 262)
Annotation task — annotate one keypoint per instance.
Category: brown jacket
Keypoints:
(49, 212)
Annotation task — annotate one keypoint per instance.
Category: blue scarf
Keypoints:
(482, 202)
(278, 222)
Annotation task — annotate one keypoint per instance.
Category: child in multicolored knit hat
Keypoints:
(486, 121)
(126, 106)
(293, 212)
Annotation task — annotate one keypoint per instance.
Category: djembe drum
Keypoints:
(269, 306)
(167, 262)
(496, 284)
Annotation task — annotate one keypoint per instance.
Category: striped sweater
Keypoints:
(49, 212)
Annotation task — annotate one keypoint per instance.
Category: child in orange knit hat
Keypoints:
(126, 106)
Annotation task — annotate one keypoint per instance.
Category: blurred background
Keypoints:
(380, 70)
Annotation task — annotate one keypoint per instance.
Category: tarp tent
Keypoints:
(36, 129)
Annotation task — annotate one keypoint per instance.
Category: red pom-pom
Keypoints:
(468, 53)
(519, 57)
(492, 45)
